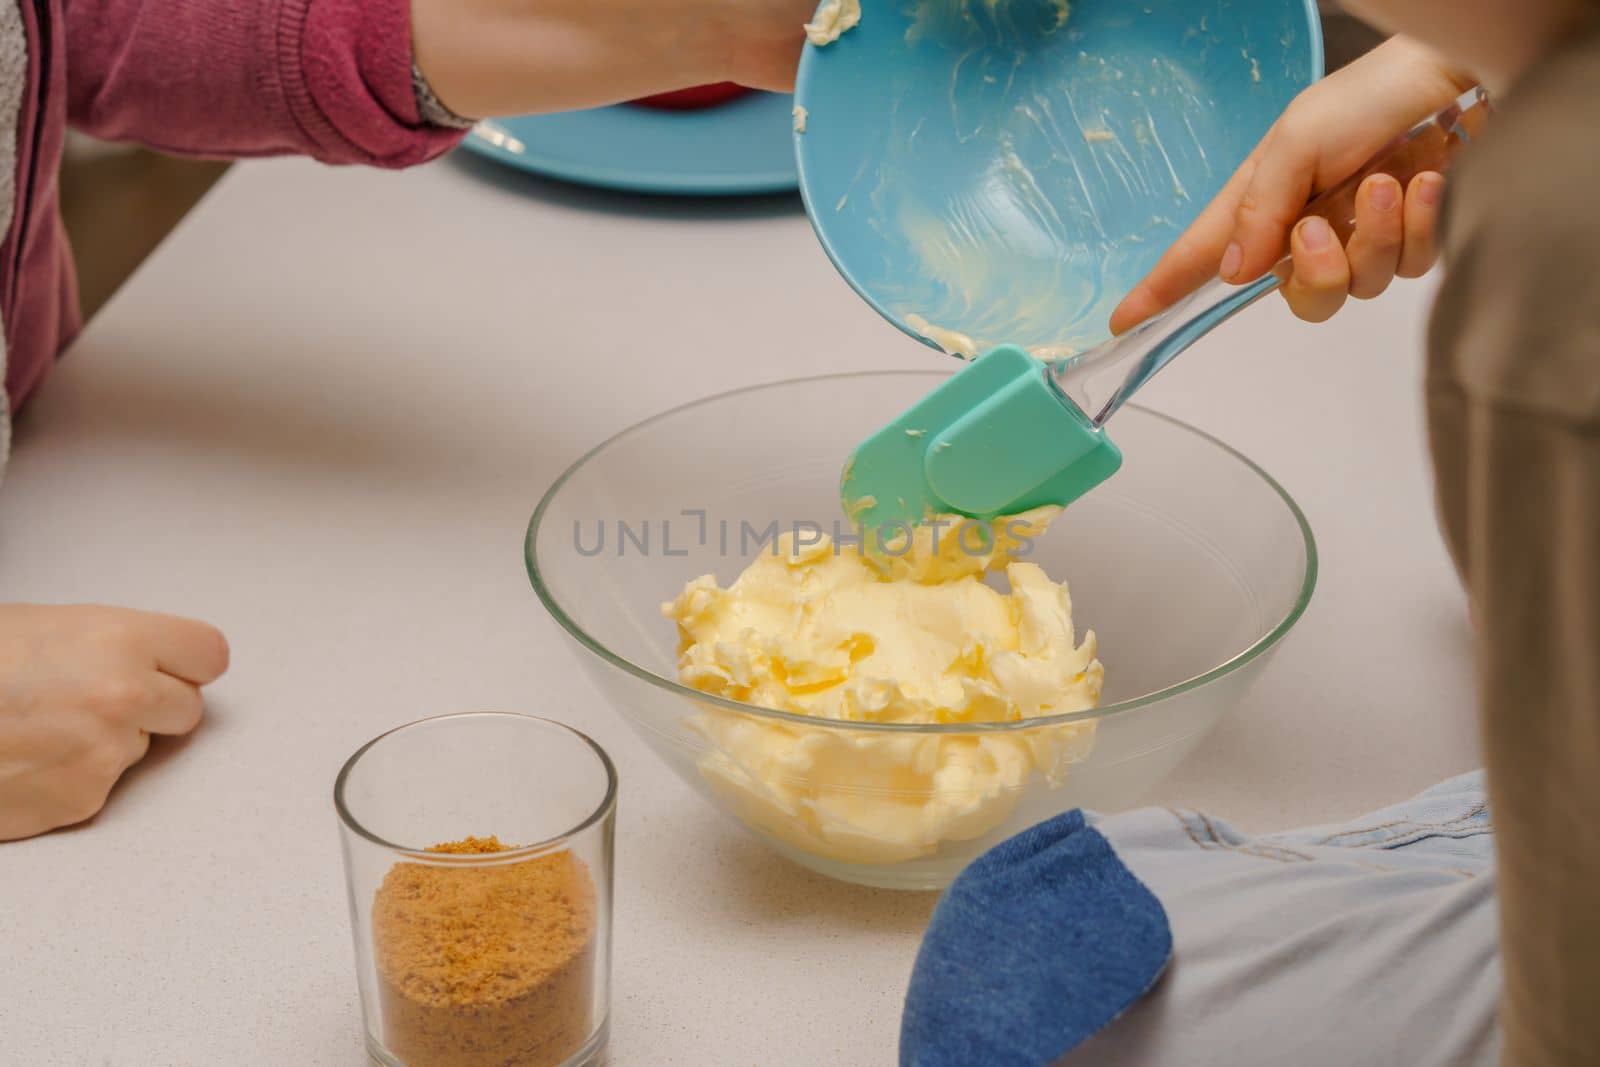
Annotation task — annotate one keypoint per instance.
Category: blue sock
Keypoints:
(1041, 942)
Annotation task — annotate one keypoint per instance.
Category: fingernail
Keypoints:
(1386, 196)
(1430, 189)
(1232, 259)
(1316, 234)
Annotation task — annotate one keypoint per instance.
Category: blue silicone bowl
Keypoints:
(1007, 169)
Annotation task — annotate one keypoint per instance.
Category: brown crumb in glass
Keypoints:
(486, 966)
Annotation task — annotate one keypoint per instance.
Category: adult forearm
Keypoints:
(496, 57)
(1497, 40)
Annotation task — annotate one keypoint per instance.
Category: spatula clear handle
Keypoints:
(1101, 380)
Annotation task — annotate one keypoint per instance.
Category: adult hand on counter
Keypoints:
(81, 691)
(485, 58)
(1326, 134)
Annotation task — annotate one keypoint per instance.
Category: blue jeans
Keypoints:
(1159, 937)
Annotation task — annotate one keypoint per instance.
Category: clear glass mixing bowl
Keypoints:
(1191, 564)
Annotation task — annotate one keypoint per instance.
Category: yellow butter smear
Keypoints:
(833, 20)
(816, 629)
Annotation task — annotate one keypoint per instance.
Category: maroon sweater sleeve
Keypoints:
(236, 78)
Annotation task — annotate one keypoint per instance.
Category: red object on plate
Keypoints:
(694, 98)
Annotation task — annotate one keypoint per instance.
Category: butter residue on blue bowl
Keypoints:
(833, 19)
(991, 173)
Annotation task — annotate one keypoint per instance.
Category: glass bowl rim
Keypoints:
(603, 810)
(1122, 707)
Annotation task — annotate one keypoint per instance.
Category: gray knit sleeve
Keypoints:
(431, 108)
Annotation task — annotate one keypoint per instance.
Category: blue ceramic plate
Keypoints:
(741, 147)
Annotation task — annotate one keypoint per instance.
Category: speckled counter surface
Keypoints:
(320, 417)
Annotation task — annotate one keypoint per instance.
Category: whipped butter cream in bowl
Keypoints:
(887, 721)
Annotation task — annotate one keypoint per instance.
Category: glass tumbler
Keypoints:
(478, 861)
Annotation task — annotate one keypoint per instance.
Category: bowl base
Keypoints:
(930, 875)
(592, 1054)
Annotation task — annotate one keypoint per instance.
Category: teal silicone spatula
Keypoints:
(1009, 433)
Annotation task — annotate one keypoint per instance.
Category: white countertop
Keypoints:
(320, 417)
